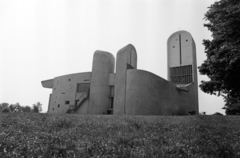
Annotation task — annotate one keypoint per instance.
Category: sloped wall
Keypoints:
(149, 94)
(65, 90)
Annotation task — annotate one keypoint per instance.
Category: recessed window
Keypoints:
(69, 79)
(58, 105)
(181, 74)
(67, 102)
(83, 87)
(173, 46)
(53, 109)
(186, 40)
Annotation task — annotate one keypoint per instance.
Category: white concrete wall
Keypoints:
(65, 89)
(47, 83)
(149, 94)
(126, 55)
(103, 66)
(188, 57)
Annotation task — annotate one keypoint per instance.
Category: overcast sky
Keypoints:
(43, 39)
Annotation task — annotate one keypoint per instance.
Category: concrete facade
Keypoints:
(182, 59)
(126, 59)
(103, 65)
(128, 90)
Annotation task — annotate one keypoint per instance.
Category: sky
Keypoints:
(40, 40)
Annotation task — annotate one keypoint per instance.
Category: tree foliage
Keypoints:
(5, 107)
(26, 109)
(37, 107)
(15, 107)
(222, 65)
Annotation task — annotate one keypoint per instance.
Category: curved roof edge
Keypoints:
(100, 52)
(180, 31)
(125, 47)
(89, 72)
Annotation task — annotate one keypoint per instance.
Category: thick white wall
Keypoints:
(103, 66)
(65, 89)
(126, 55)
(188, 57)
(149, 94)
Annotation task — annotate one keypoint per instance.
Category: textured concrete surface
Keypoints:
(125, 56)
(64, 91)
(47, 83)
(103, 66)
(131, 91)
(182, 51)
(149, 94)
(111, 79)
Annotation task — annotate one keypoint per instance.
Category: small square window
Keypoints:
(67, 102)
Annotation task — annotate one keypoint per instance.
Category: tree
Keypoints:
(37, 107)
(218, 113)
(15, 107)
(26, 109)
(3, 106)
(233, 109)
(5, 110)
(222, 65)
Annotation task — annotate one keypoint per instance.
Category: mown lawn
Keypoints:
(45, 135)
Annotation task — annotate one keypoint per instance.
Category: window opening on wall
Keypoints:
(173, 46)
(58, 105)
(83, 87)
(53, 109)
(111, 102)
(181, 74)
(69, 79)
(67, 102)
(111, 96)
(186, 40)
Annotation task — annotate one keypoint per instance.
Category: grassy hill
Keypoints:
(45, 135)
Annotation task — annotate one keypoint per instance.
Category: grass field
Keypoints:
(45, 135)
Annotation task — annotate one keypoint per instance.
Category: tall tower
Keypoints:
(103, 66)
(182, 64)
(126, 59)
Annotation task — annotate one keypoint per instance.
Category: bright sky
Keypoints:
(43, 39)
